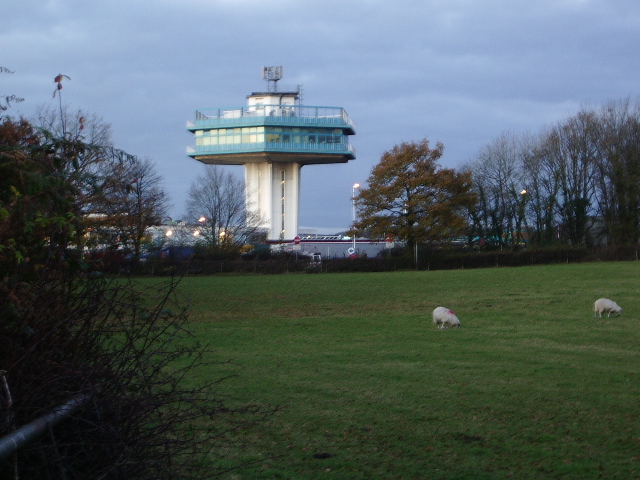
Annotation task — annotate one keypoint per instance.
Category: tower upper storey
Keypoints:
(272, 127)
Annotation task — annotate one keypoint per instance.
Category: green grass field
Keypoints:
(531, 386)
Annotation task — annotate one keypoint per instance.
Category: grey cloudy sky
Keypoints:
(457, 71)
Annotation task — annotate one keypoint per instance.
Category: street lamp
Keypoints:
(353, 205)
(198, 231)
(522, 218)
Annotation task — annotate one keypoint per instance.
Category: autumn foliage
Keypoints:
(411, 198)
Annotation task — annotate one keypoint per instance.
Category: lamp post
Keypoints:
(353, 206)
(522, 213)
(198, 231)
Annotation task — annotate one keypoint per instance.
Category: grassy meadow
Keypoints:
(531, 386)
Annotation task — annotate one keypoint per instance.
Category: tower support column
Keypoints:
(273, 192)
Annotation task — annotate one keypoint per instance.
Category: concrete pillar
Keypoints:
(273, 191)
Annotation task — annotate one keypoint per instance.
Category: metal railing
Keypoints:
(272, 115)
(35, 429)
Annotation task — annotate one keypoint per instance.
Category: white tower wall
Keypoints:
(273, 191)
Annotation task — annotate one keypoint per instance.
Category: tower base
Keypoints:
(273, 192)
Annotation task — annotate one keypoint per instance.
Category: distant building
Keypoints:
(274, 136)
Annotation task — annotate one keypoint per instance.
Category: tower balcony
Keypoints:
(303, 153)
(276, 133)
(273, 115)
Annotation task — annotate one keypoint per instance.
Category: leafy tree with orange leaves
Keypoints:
(413, 199)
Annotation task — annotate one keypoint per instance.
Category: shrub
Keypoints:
(125, 349)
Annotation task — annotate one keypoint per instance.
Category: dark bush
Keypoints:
(66, 332)
(128, 349)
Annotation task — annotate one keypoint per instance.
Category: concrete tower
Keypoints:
(274, 136)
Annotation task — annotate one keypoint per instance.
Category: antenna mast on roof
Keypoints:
(272, 75)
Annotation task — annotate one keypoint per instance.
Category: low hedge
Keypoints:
(428, 259)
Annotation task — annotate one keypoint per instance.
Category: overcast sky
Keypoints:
(457, 71)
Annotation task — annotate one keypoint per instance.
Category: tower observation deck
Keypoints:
(274, 136)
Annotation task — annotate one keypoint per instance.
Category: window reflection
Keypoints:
(296, 137)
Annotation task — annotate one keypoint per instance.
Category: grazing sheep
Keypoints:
(604, 305)
(445, 318)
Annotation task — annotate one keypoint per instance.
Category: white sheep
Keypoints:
(604, 305)
(445, 318)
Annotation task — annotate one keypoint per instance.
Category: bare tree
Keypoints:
(573, 160)
(6, 100)
(542, 189)
(580, 180)
(217, 202)
(618, 171)
(500, 187)
(117, 195)
(131, 200)
(91, 127)
(82, 143)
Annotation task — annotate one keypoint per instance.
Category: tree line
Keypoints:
(576, 183)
